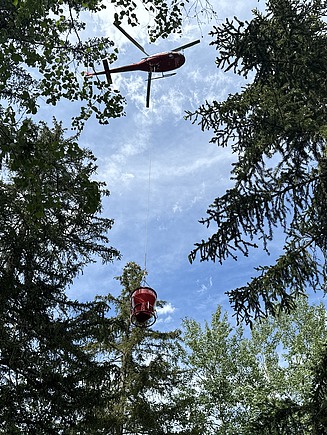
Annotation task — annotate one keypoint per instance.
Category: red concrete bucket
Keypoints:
(143, 300)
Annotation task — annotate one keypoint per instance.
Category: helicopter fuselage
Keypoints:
(160, 62)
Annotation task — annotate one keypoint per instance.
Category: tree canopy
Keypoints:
(276, 127)
(259, 383)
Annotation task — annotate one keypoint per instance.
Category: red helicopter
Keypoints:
(157, 63)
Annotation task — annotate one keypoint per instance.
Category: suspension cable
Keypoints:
(147, 221)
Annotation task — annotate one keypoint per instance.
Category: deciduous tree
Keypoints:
(259, 382)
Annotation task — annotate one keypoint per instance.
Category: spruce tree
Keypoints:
(276, 127)
(144, 364)
(50, 229)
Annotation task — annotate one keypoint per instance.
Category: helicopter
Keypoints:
(156, 63)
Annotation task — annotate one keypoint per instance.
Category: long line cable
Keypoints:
(147, 220)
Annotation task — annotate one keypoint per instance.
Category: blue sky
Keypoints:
(186, 172)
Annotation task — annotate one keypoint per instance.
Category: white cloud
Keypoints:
(177, 208)
(203, 287)
(166, 320)
(167, 309)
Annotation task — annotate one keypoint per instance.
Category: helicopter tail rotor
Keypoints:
(107, 70)
(98, 73)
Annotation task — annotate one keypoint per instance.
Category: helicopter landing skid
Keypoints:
(163, 76)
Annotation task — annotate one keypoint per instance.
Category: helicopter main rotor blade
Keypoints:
(130, 38)
(190, 44)
(148, 89)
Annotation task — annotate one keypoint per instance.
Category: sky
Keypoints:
(163, 173)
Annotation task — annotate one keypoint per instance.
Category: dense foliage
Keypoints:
(49, 231)
(260, 383)
(277, 128)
